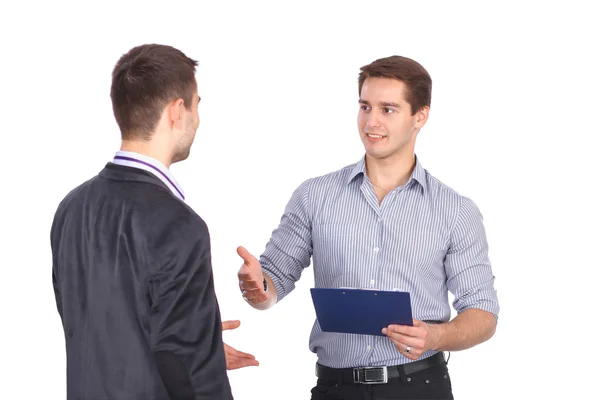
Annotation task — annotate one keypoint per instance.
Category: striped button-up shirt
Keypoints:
(424, 238)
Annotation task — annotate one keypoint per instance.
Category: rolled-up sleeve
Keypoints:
(289, 250)
(468, 267)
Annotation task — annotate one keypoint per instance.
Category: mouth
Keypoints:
(375, 137)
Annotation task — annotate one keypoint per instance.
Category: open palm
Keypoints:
(235, 358)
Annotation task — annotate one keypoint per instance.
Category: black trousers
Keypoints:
(431, 383)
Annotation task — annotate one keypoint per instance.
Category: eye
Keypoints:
(364, 107)
(387, 110)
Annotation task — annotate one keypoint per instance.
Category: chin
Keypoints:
(180, 157)
(375, 153)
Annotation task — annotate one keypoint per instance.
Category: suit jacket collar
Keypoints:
(152, 165)
(131, 174)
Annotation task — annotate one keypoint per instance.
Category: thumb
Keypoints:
(248, 258)
(227, 325)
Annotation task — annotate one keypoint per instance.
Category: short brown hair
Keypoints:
(144, 81)
(416, 78)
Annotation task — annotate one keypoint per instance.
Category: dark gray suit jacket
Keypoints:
(134, 288)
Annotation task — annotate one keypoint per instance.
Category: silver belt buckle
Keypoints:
(370, 375)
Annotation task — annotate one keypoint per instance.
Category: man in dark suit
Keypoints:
(132, 270)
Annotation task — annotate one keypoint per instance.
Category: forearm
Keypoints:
(468, 329)
(289, 250)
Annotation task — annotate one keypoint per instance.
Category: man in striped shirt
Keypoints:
(384, 223)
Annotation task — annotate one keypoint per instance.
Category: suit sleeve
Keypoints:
(54, 242)
(186, 335)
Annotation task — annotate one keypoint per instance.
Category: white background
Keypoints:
(513, 125)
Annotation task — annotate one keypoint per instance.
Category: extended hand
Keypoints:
(251, 278)
(412, 341)
(236, 359)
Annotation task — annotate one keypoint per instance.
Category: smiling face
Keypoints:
(387, 126)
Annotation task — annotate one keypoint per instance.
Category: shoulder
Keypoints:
(450, 201)
(440, 191)
(335, 178)
(72, 198)
(315, 187)
(314, 192)
(167, 216)
(152, 211)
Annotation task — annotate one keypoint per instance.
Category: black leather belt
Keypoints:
(377, 375)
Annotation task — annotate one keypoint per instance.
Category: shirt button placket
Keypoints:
(372, 283)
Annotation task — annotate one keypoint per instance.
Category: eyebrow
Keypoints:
(382, 104)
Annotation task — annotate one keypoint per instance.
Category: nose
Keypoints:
(372, 121)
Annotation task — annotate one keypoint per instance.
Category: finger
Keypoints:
(254, 292)
(401, 346)
(255, 296)
(413, 354)
(245, 273)
(236, 353)
(408, 330)
(241, 363)
(241, 355)
(404, 329)
(404, 339)
(251, 278)
(250, 285)
(248, 258)
(227, 325)
(394, 335)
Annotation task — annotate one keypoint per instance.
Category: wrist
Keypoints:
(268, 303)
(270, 291)
(436, 335)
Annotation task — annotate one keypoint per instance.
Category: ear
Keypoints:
(422, 116)
(176, 112)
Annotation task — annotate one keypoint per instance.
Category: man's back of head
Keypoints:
(154, 99)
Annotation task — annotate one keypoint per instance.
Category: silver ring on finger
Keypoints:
(408, 349)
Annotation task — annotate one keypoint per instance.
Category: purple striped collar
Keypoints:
(137, 160)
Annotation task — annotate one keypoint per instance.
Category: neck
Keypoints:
(149, 148)
(391, 172)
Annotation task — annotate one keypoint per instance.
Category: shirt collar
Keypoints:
(418, 174)
(152, 165)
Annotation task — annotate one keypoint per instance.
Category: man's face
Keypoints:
(186, 138)
(386, 126)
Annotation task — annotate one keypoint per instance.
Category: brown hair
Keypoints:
(144, 81)
(416, 78)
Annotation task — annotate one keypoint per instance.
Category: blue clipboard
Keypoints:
(360, 311)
